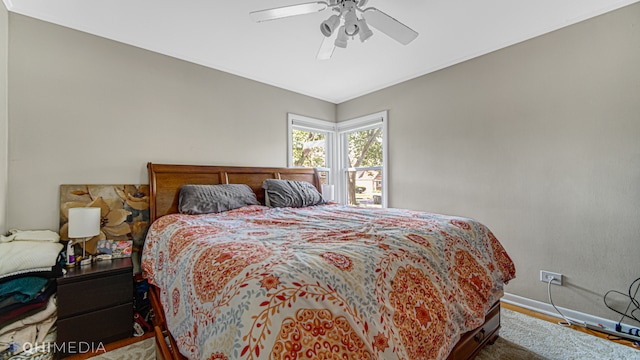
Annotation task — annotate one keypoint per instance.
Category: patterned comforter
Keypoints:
(323, 282)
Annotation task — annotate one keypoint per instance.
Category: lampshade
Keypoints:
(365, 32)
(328, 26)
(341, 40)
(84, 222)
(327, 192)
(351, 26)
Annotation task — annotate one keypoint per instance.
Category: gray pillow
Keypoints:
(206, 199)
(291, 193)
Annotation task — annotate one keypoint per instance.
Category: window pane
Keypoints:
(365, 148)
(309, 148)
(365, 188)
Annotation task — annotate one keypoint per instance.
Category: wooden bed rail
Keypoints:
(164, 350)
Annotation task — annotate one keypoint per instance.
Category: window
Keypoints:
(362, 160)
(310, 145)
(350, 155)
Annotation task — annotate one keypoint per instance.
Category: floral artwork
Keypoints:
(124, 212)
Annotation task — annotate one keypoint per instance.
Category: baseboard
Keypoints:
(577, 316)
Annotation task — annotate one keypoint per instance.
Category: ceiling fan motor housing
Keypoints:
(360, 3)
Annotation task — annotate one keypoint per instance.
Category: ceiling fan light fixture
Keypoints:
(365, 32)
(341, 40)
(351, 23)
(328, 26)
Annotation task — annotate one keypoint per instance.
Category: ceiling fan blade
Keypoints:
(286, 11)
(327, 47)
(390, 26)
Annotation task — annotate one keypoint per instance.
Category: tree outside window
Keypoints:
(309, 148)
(364, 177)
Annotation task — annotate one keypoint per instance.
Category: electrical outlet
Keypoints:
(546, 275)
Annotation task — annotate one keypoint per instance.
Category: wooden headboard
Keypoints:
(165, 181)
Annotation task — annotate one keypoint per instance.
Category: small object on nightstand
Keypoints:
(71, 258)
(84, 223)
(115, 248)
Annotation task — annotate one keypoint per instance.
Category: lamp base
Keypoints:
(86, 261)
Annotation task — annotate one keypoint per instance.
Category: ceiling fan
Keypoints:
(344, 24)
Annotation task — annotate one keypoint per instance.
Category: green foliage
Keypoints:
(309, 148)
(365, 148)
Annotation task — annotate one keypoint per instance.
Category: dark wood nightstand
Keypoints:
(95, 305)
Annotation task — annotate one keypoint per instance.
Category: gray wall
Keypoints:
(4, 50)
(540, 141)
(86, 110)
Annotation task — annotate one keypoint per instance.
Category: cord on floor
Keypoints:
(567, 322)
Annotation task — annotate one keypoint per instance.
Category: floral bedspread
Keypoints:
(323, 282)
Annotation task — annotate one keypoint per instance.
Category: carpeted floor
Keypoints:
(143, 350)
(526, 338)
(521, 338)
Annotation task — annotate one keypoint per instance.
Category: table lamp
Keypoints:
(327, 192)
(84, 223)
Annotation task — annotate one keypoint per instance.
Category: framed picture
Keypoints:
(115, 248)
(124, 213)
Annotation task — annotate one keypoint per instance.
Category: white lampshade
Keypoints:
(341, 40)
(365, 32)
(328, 26)
(351, 26)
(327, 192)
(84, 222)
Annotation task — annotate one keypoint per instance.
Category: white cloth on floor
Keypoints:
(32, 329)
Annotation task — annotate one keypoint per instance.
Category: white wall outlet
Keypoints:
(545, 276)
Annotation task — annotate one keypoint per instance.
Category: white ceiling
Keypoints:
(221, 35)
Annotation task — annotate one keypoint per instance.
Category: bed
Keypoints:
(317, 282)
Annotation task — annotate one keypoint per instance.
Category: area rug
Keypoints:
(142, 350)
(521, 338)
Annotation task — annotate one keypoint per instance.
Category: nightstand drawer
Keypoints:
(97, 327)
(94, 294)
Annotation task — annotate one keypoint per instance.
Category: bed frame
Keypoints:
(165, 182)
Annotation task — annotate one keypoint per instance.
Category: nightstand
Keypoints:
(95, 306)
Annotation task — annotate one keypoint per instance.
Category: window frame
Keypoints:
(336, 148)
(343, 129)
(299, 122)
